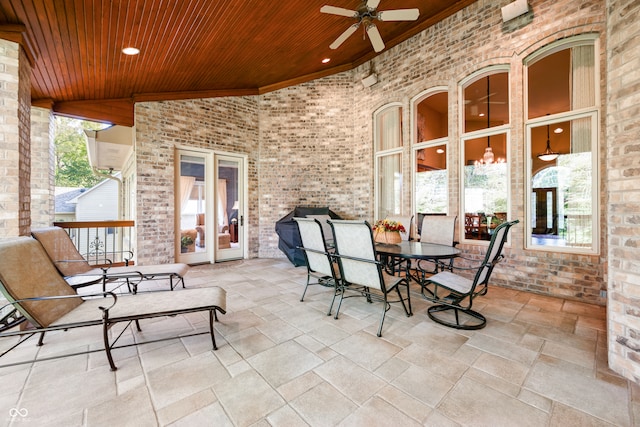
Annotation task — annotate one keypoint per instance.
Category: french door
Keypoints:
(210, 200)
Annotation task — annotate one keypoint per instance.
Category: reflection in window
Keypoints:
(562, 144)
(486, 171)
(561, 189)
(431, 117)
(388, 143)
(431, 179)
(485, 188)
(431, 128)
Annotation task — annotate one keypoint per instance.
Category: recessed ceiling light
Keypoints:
(131, 51)
(325, 60)
(439, 151)
(558, 130)
(481, 115)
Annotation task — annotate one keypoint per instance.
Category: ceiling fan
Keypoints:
(365, 15)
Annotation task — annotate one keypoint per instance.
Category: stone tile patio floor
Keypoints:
(540, 361)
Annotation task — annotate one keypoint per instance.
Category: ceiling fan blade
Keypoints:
(352, 29)
(399, 15)
(372, 4)
(376, 39)
(339, 11)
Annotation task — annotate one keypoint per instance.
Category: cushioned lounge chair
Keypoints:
(78, 272)
(30, 283)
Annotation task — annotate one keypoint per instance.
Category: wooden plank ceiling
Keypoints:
(188, 49)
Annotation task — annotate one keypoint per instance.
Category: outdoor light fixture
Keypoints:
(548, 154)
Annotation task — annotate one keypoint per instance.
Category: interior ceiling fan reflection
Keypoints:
(365, 15)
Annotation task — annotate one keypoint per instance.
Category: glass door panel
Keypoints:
(229, 221)
(192, 207)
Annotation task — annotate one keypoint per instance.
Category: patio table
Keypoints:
(402, 253)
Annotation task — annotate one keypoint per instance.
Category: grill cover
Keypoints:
(289, 235)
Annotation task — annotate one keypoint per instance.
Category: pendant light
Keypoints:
(488, 156)
(548, 154)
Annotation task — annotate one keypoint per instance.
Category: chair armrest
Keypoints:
(477, 266)
(370, 261)
(56, 297)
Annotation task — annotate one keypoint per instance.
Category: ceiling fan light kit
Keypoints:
(365, 15)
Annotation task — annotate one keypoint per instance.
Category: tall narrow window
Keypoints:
(388, 160)
(485, 183)
(431, 129)
(562, 147)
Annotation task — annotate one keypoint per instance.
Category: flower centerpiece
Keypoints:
(388, 231)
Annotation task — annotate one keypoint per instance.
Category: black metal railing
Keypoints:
(102, 242)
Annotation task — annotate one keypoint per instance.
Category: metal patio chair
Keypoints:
(439, 229)
(320, 264)
(454, 294)
(361, 272)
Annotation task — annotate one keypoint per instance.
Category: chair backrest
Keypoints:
(27, 272)
(326, 228)
(438, 229)
(354, 239)
(494, 252)
(200, 219)
(314, 246)
(406, 221)
(60, 248)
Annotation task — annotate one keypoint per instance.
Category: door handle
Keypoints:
(241, 219)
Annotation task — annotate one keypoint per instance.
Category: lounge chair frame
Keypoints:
(79, 273)
(103, 308)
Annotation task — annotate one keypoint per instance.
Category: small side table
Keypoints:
(233, 231)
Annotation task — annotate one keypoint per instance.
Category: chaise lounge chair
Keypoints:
(78, 272)
(31, 284)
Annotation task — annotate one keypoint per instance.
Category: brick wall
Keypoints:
(445, 54)
(308, 154)
(223, 124)
(315, 139)
(623, 197)
(42, 168)
(14, 140)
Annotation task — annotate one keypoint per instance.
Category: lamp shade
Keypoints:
(235, 206)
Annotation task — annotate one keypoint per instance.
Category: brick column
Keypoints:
(623, 160)
(15, 118)
(42, 168)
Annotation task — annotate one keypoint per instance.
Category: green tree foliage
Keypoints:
(72, 162)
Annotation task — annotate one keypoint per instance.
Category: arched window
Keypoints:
(485, 154)
(388, 160)
(562, 144)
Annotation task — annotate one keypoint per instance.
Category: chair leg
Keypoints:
(384, 313)
(342, 286)
(213, 337)
(305, 288)
(336, 289)
(480, 322)
(107, 346)
(408, 312)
